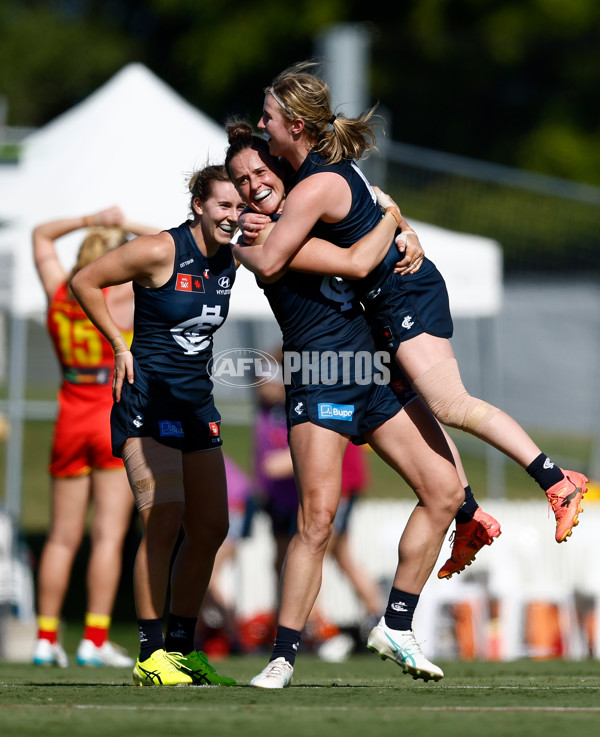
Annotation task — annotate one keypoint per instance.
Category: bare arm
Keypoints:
(250, 254)
(322, 257)
(324, 195)
(50, 270)
(407, 241)
(129, 226)
(318, 256)
(147, 260)
(119, 300)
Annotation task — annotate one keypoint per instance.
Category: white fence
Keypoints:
(523, 566)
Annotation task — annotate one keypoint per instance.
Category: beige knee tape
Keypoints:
(441, 388)
(154, 471)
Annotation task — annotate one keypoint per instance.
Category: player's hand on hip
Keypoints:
(123, 370)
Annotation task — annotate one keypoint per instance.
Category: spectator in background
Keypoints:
(273, 467)
(355, 479)
(82, 468)
(217, 627)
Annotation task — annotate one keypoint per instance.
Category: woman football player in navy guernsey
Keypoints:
(164, 423)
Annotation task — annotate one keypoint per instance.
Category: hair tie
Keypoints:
(332, 120)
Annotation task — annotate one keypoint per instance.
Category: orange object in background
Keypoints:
(543, 634)
(463, 630)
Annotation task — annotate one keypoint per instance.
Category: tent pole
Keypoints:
(16, 406)
(491, 381)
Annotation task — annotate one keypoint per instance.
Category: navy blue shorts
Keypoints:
(349, 409)
(148, 410)
(406, 306)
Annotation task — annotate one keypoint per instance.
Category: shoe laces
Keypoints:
(466, 537)
(277, 669)
(177, 660)
(411, 645)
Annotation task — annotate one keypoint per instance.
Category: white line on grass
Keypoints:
(272, 707)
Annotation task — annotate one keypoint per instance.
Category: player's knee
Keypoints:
(444, 393)
(462, 412)
(208, 537)
(455, 496)
(68, 541)
(315, 528)
(154, 482)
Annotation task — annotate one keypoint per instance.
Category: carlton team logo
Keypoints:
(189, 283)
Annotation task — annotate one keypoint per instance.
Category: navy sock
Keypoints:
(400, 609)
(467, 508)
(544, 472)
(286, 644)
(151, 637)
(180, 634)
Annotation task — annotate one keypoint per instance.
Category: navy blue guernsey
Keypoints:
(363, 216)
(318, 313)
(174, 323)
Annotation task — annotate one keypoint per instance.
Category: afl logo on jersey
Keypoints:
(189, 283)
(224, 282)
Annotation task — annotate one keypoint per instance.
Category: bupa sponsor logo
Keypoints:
(170, 429)
(189, 283)
(243, 367)
(343, 412)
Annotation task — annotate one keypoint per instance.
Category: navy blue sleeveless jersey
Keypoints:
(172, 345)
(312, 309)
(397, 307)
(363, 216)
(328, 351)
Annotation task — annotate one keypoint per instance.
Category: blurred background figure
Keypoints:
(272, 461)
(217, 629)
(355, 480)
(82, 468)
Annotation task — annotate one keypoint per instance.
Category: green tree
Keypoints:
(510, 81)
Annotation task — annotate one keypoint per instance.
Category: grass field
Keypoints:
(363, 696)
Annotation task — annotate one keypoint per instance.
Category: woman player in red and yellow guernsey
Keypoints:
(82, 467)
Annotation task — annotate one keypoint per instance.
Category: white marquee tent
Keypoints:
(133, 142)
